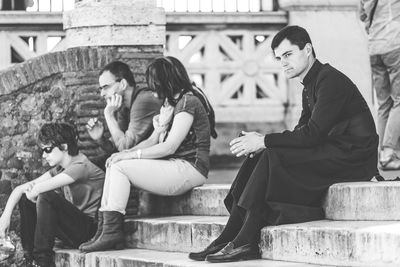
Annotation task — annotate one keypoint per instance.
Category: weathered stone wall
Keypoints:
(59, 86)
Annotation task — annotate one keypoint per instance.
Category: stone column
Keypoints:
(338, 38)
(115, 23)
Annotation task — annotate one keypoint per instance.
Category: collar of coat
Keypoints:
(312, 73)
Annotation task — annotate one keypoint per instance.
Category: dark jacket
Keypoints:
(334, 141)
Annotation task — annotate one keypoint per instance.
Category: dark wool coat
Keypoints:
(334, 141)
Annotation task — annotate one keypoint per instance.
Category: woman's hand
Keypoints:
(114, 158)
(158, 127)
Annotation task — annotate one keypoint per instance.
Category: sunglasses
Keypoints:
(47, 149)
(106, 86)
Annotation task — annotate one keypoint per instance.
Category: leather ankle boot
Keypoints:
(112, 235)
(97, 234)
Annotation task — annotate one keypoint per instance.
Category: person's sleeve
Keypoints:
(77, 171)
(332, 94)
(187, 104)
(145, 107)
(305, 112)
(107, 145)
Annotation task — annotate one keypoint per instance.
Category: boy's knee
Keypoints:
(24, 201)
(49, 196)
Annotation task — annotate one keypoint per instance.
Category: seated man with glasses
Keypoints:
(128, 114)
(61, 203)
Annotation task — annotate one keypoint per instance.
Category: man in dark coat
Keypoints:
(286, 175)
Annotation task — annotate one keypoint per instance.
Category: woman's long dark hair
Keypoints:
(167, 76)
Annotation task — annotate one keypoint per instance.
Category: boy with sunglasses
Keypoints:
(60, 203)
(128, 114)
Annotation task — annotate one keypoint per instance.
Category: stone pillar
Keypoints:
(338, 37)
(115, 23)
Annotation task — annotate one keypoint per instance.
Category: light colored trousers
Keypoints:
(162, 177)
(386, 78)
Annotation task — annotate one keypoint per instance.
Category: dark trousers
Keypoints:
(52, 216)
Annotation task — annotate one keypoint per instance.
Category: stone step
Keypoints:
(173, 233)
(344, 201)
(363, 201)
(151, 258)
(204, 200)
(338, 243)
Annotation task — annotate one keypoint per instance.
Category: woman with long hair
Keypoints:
(173, 160)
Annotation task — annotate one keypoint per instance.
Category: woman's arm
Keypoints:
(179, 129)
(151, 141)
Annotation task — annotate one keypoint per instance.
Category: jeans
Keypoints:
(52, 216)
(386, 79)
(161, 177)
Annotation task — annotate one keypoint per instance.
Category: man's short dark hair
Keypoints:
(121, 71)
(57, 134)
(296, 35)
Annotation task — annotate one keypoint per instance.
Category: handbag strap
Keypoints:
(372, 14)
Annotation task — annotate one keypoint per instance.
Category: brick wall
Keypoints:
(59, 86)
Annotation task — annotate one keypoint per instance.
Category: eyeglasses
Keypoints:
(47, 149)
(106, 86)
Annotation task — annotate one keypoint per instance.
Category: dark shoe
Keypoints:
(97, 234)
(112, 236)
(229, 253)
(211, 249)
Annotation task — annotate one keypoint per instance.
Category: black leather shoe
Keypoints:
(229, 253)
(211, 249)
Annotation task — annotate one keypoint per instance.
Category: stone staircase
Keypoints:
(361, 229)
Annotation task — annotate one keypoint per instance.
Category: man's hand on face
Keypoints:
(95, 128)
(248, 143)
(113, 104)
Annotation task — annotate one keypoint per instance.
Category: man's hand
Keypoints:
(95, 128)
(249, 142)
(32, 195)
(113, 104)
(4, 225)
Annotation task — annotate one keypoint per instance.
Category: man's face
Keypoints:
(293, 60)
(109, 85)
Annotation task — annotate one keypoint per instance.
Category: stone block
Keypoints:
(204, 200)
(363, 201)
(180, 233)
(93, 58)
(20, 75)
(61, 60)
(116, 35)
(44, 66)
(51, 61)
(338, 243)
(152, 258)
(105, 15)
(72, 59)
(33, 68)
